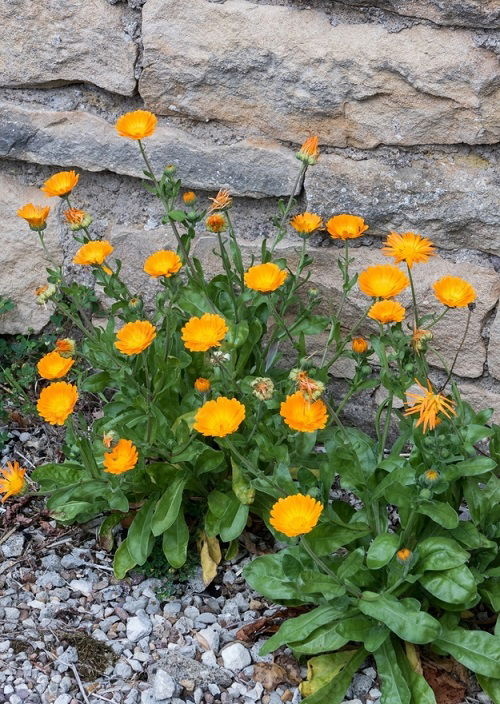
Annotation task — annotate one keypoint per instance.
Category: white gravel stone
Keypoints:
(211, 637)
(123, 670)
(138, 626)
(13, 546)
(81, 585)
(164, 686)
(235, 657)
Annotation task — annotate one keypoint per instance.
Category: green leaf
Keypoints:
(477, 650)
(467, 534)
(441, 513)
(355, 628)
(491, 687)
(440, 554)
(167, 508)
(454, 586)
(469, 468)
(140, 540)
(300, 627)
(118, 501)
(322, 640)
(230, 515)
(334, 691)
(401, 616)
(394, 687)
(376, 636)
(53, 476)
(177, 215)
(382, 550)
(175, 542)
(123, 561)
(106, 538)
(421, 692)
(242, 486)
(317, 583)
(266, 575)
(97, 382)
(351, 564)
(329, 537)
(490, 591)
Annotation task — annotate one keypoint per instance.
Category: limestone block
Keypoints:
(494, 347)
(459, 13)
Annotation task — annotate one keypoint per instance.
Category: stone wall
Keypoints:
(404, 95)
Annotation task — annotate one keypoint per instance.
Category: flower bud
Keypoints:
(202, 385)
(134, 303)
(359, 345)
(170, 169)
(309, 152)
(263, 388)
(77, 219)
(404, 555)
(431, 476)
(189, 197)
(43, 293)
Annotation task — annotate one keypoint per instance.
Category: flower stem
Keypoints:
(414, 297)
(462, 341)
(350, 588)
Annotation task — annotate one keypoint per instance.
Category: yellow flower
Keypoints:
(94, 252)
(53, 366)
(309, 151)
(60, 184)
(165, 262)
(189, 197)
(35, 215)
(300, 414)
(454, 292)
(222, 201)
(57, 401)
(200, 334)
(404, 554)
(216, 223)
(65, 346)
(387, 312)
(305, 223)
(135, 337)
(202, 385)
(265, 277)
(409, 248)
(383, 281)
(359, 345)
(12, 480)
(346, 227)
(136, 125)
(77, 219)
(122, 458)
(295, 515)
(220, 417)
(262, 388)
(311, 388)
(428, 404)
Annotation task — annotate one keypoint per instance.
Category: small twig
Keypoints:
(59, 542)
(98, 567)
(20, 454)
(7, 534)
(80, 685)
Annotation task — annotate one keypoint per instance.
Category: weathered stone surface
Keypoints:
(494, 347)
(45, 42)
(22, 261)
(460, 13)
(357, 85)
(255, 167)
(481, 396)
(451, 198)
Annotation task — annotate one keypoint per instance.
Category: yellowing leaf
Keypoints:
(413, 658)
(322, 669)
(210, 557)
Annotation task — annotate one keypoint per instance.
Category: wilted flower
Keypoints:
(419, 338)
(134, 338)
(303, 415)
(35, 215)
(65, 346)
(137, 124)
(60, 184)
(346, 227)
(428, 404)
(54, 366)
(222, 201)
(262, 388)
(359, 345)
(387, 312)
(220, 417)
(202, 385)
(218, 357)
(311, 388)
(295, 515)
(383, 281)
(200, 334)
(216, 223)
(43, 293)
(454, 292)
(110, 439)
(309, 151)
(77, 219)
(409, 248)
(122, 458)
(57, 401)
(265, 277)
(306, 223)
(12, 481)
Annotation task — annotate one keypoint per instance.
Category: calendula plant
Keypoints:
(202, 420)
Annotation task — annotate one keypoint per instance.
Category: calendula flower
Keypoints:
(202, 385)
(200, 334)
(265, 277)
(301, 414)
(419, 338)
(222, 201)
(54, 366)
(404, 555)
(110, 439)
(431, 476)
(306, 223)
(94, 252)
(428, 405)
(311, 388)
(57, 401)
(165, 262)
(122, 458)
(134, 338)
(359, 345)
(295, 515)
(220, 417)
(137, 124)
(189, 197)
(77, 219)
(134, 303)
(65, 347)
(262, 388)
(454, 292)
(12, 481)
(60, 184)
(44, 293)
(216, 223)
(384, 281)
(387, 312)
(408, 247)
(309, 151)
(35, 215)
(346, 227)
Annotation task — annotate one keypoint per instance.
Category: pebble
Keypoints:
(164, 686)
(13, 546)
(138, 626)
(236, 657)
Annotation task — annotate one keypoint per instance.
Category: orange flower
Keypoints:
(346, 227)
(189, 197)
(60, 184)
(65, 346)
(77, 219)
(216, 223)
(165, 262)
(454, 292)
(136, 125)
(428, 404)
(57, 401)
(305, 223)
(359, 345)
(295, 515)
(265, 277)
(309, 151)
(387, 312)
(12, 481)
(53, 366)
(135, 337)
(383, 281)
(409, 248)
(220, 417)
(35, 215)
(222, 201)
(200, 334)
(404, 554)
(122, 458)
(202, 385)
(94, 252)
(300, 414)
